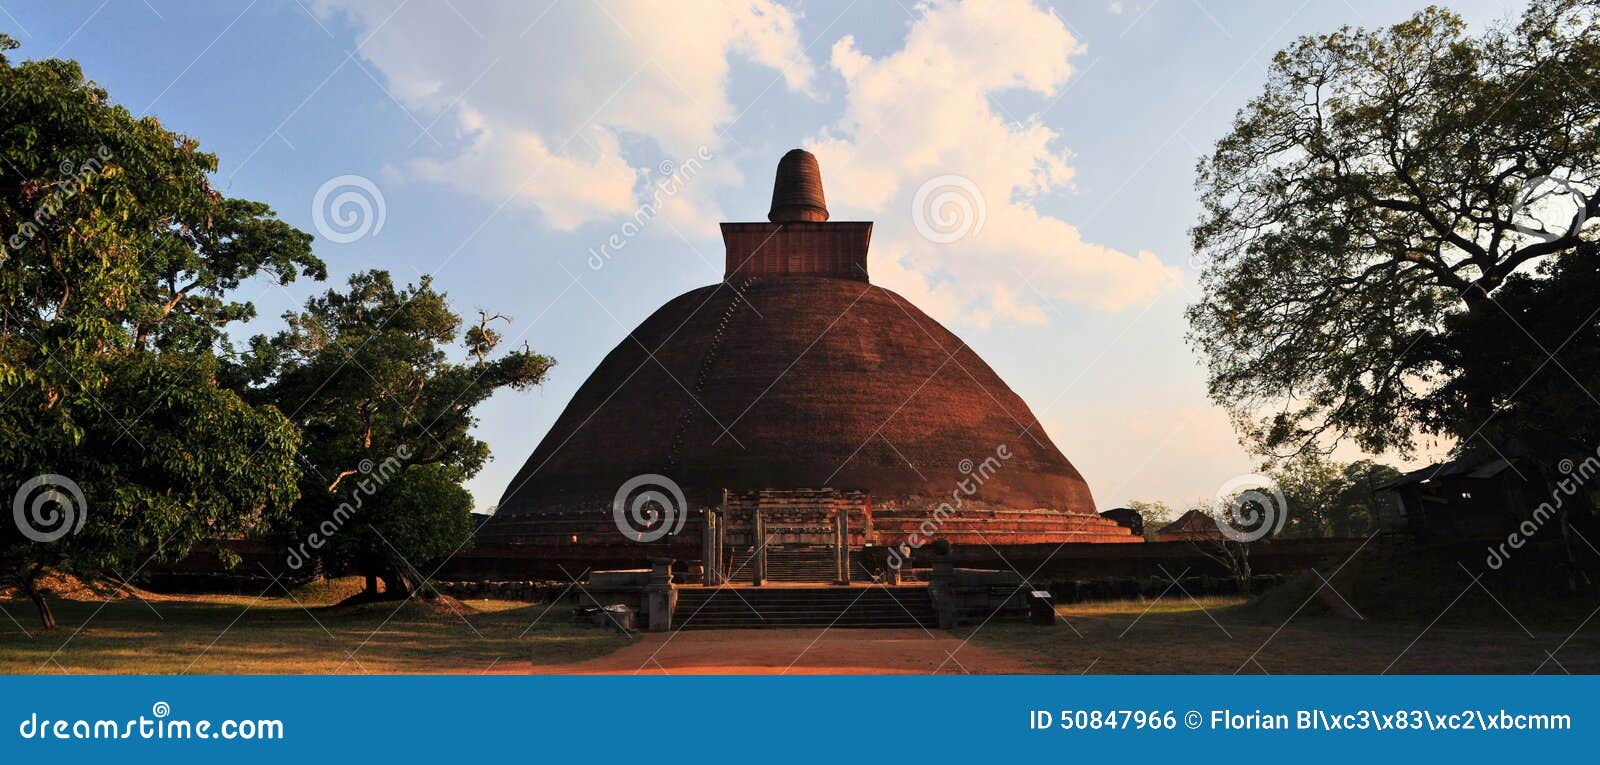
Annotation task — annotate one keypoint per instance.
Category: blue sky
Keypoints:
(510, 141)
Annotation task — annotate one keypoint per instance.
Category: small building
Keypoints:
(1193, 526)
(1464, 498)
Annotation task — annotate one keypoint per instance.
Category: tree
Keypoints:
(1549, 343)
(115, 275)
(1367, 209)
(1154, 514)
(386, 420)
(1325, 498)
(426, 514)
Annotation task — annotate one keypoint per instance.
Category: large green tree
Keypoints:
(118, 263)
(1325, 498)
(1367, 210)
(386, 417)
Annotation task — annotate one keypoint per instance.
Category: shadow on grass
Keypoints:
(302, 634)
(1179, 635)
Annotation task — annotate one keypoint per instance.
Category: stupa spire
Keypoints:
(797, 190)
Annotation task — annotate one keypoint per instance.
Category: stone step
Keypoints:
(751, 608)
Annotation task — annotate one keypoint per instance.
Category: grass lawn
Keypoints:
(306, 633)
(1178, 635)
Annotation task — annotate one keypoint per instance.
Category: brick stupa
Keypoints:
(796, 372)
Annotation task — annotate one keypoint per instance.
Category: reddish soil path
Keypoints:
(795, 651)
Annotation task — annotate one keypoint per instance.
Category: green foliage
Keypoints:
(426, 513)
(1155, 515)
(1548, 341)
(364, 374)
(1374, 193)
(1329, 499)
(117, 260)
(157, 476)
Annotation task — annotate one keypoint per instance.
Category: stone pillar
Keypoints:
(841, 546)
(722, 548)
(759, 537)
(660, 597)
(941, 588)
(711, 549)
(719, 541)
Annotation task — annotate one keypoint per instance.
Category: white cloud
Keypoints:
(927, 110)
(541, 105)
(561, 110)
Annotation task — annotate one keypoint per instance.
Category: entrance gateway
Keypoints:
(801, 535)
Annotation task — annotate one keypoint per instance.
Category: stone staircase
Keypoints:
(800, 564)
(775, 607)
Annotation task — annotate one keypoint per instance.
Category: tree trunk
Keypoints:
(1479, 382)
(395, 587)
(372, 587)
(30, 585)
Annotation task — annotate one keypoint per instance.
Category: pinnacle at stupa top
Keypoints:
(798, 239)
(797, 189)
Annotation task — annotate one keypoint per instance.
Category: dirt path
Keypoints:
(795, 651)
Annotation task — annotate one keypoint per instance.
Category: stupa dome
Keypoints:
(797, 190)
(796, 372)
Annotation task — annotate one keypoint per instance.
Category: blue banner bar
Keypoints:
(847, 719)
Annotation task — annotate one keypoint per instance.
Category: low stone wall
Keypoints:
(965, 596)
(1127, 588)
(1072, 572)
(1048, 562)
(532, 591)
(648, 592)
